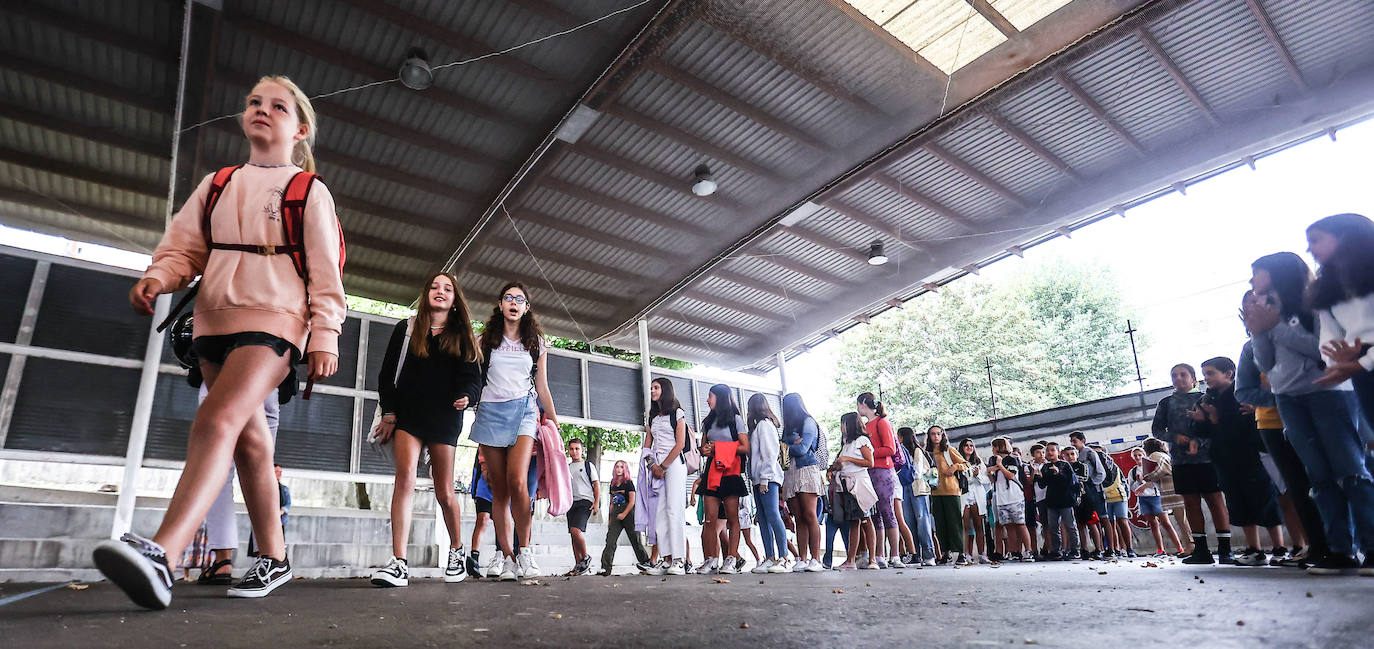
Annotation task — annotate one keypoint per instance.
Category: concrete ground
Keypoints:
(1083, 604)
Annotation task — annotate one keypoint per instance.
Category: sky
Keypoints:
(1182, 261)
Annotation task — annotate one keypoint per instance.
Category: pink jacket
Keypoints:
(554, 481)
(242, 291)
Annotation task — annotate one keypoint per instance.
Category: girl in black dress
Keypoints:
(422, 406)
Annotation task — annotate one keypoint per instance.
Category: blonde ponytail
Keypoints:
(302, 154)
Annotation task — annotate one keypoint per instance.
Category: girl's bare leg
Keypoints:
(406, 449)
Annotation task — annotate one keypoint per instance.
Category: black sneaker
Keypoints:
(1277, 555)
(266, 575)
(1225, 558)
(474, 566)
(1094, 556)
(584, 567)
(1334, 563)
(1252, 557)
(138, 567)
(394, 574)
(1200, 556)
(644, 566)
(455, 571)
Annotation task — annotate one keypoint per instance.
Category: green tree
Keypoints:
(1052, 336)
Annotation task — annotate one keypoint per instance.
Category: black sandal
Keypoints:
(212, 577)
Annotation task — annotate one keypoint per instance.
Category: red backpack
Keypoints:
(293, 203)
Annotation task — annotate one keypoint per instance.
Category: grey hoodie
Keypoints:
(1290, 357)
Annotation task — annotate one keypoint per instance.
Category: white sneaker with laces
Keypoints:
(895, 562)
(494, 566)
(815, 565)
(676, 568)
(799, 565)
(711, 566)
(456, 571)
(526, 568)
(777, 568)
(983, 558)
(658, 569)
(395, 573)
(929, 563)
(763, 567)
(509, 571)
(882, 562)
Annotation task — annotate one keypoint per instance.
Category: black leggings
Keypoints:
(1299, 489)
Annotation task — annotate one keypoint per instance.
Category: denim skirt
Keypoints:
(499, 423)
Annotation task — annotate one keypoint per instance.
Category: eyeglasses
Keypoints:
(514, 299)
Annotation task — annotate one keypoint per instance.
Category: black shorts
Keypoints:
(1191, 479)
(483, 505)
(214, 349)
(730, 486)
(578, 515)
(1032, 518)
(1083, 512)
(1094, 498)
(1250, 496)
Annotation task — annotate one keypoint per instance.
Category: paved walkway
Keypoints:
(1052, 605)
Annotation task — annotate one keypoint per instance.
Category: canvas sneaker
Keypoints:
(763, 567)
(509, 570)
(266, 575)
(814, 565)
(394, 574)
(644, 566)
(456, 570)
(777, 568)
(1252, 557)
(138, 567)
(675, 568)
(895, 562)
(473, 565)
(526, 568)
(658, 569)
(494, 567)
(799, 565)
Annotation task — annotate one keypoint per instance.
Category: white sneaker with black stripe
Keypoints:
(394, 574)
(457, 568)
(266, 575)
(138, 567)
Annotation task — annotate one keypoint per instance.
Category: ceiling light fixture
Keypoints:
(415, 72)
(876, 256)
(705, 185)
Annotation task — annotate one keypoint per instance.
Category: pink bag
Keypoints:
(554, 481)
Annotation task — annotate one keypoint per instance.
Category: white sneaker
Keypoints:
(526, 568)
(396, 573)
(509, 571)
(658, 569)
(763, 567)
(711, 566)
(983, 558)
(871, 565)
(930, 563)
(800, 566)
(494, 566)
(815, 565)
(895, 562)
(676, 568)
(882, 562)
(731, 566)
(777, 568)
(456, 570)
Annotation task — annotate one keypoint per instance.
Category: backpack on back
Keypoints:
(1109, 468)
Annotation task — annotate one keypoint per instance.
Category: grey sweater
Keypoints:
(1290, 357)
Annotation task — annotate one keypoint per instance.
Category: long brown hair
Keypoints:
(457, 338)
(759, 411)
(531, 335)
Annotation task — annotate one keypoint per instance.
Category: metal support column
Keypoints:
(645, 368)
(782, 370)
(9, 395)
(138, 430)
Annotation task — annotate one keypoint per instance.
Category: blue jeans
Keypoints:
(916, 512)
(770, 521)
(1322, 428)
(832, 526)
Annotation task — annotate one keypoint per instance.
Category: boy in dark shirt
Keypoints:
(1061, 490)
(1083, 509)
(1251, 499)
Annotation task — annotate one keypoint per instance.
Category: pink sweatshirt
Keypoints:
(243, 291)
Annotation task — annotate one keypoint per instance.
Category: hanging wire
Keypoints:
(450, 64)
(64, 207)
(540, 267)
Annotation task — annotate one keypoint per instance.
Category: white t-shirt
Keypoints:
(508, 375)
(663, 435)
(854, 449)
(1006, 491)
(1039, 490)
(581, 484)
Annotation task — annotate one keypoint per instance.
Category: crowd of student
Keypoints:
(265, 242)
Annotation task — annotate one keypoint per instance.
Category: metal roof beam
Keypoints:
(1032, 145)
(834, 205)
(735, 305)
(470, 46)
(995, 17)
(98, 32)
(888, 38)
(1082, 96)
(678, 185)
(1163, 58)
(755, 114)
(824, 241)
(700, 145)
(704, 323)
(95, 213)
(104, 135)
(624, 208)
(920, 199)
(506, 274)
(802, 269)
(765, 287)
(974, 174)
(120, 94)
(548, 255)
(150, 188)
(792, 63)
(346, 60)
(591, 234)
(1271, 33)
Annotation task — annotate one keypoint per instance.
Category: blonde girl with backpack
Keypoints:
(256, 314)
(515, 398)
(431, 373)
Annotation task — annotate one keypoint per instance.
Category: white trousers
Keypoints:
(670, 519)
(221, 530)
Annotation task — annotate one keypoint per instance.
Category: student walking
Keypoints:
(884, 440)
(255, 316)
(622, 519)
(666, 439)
(431, 373)
(1151, 475)
(586, 496)
(1320, 421)
(515, 398)
(1194, 476)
